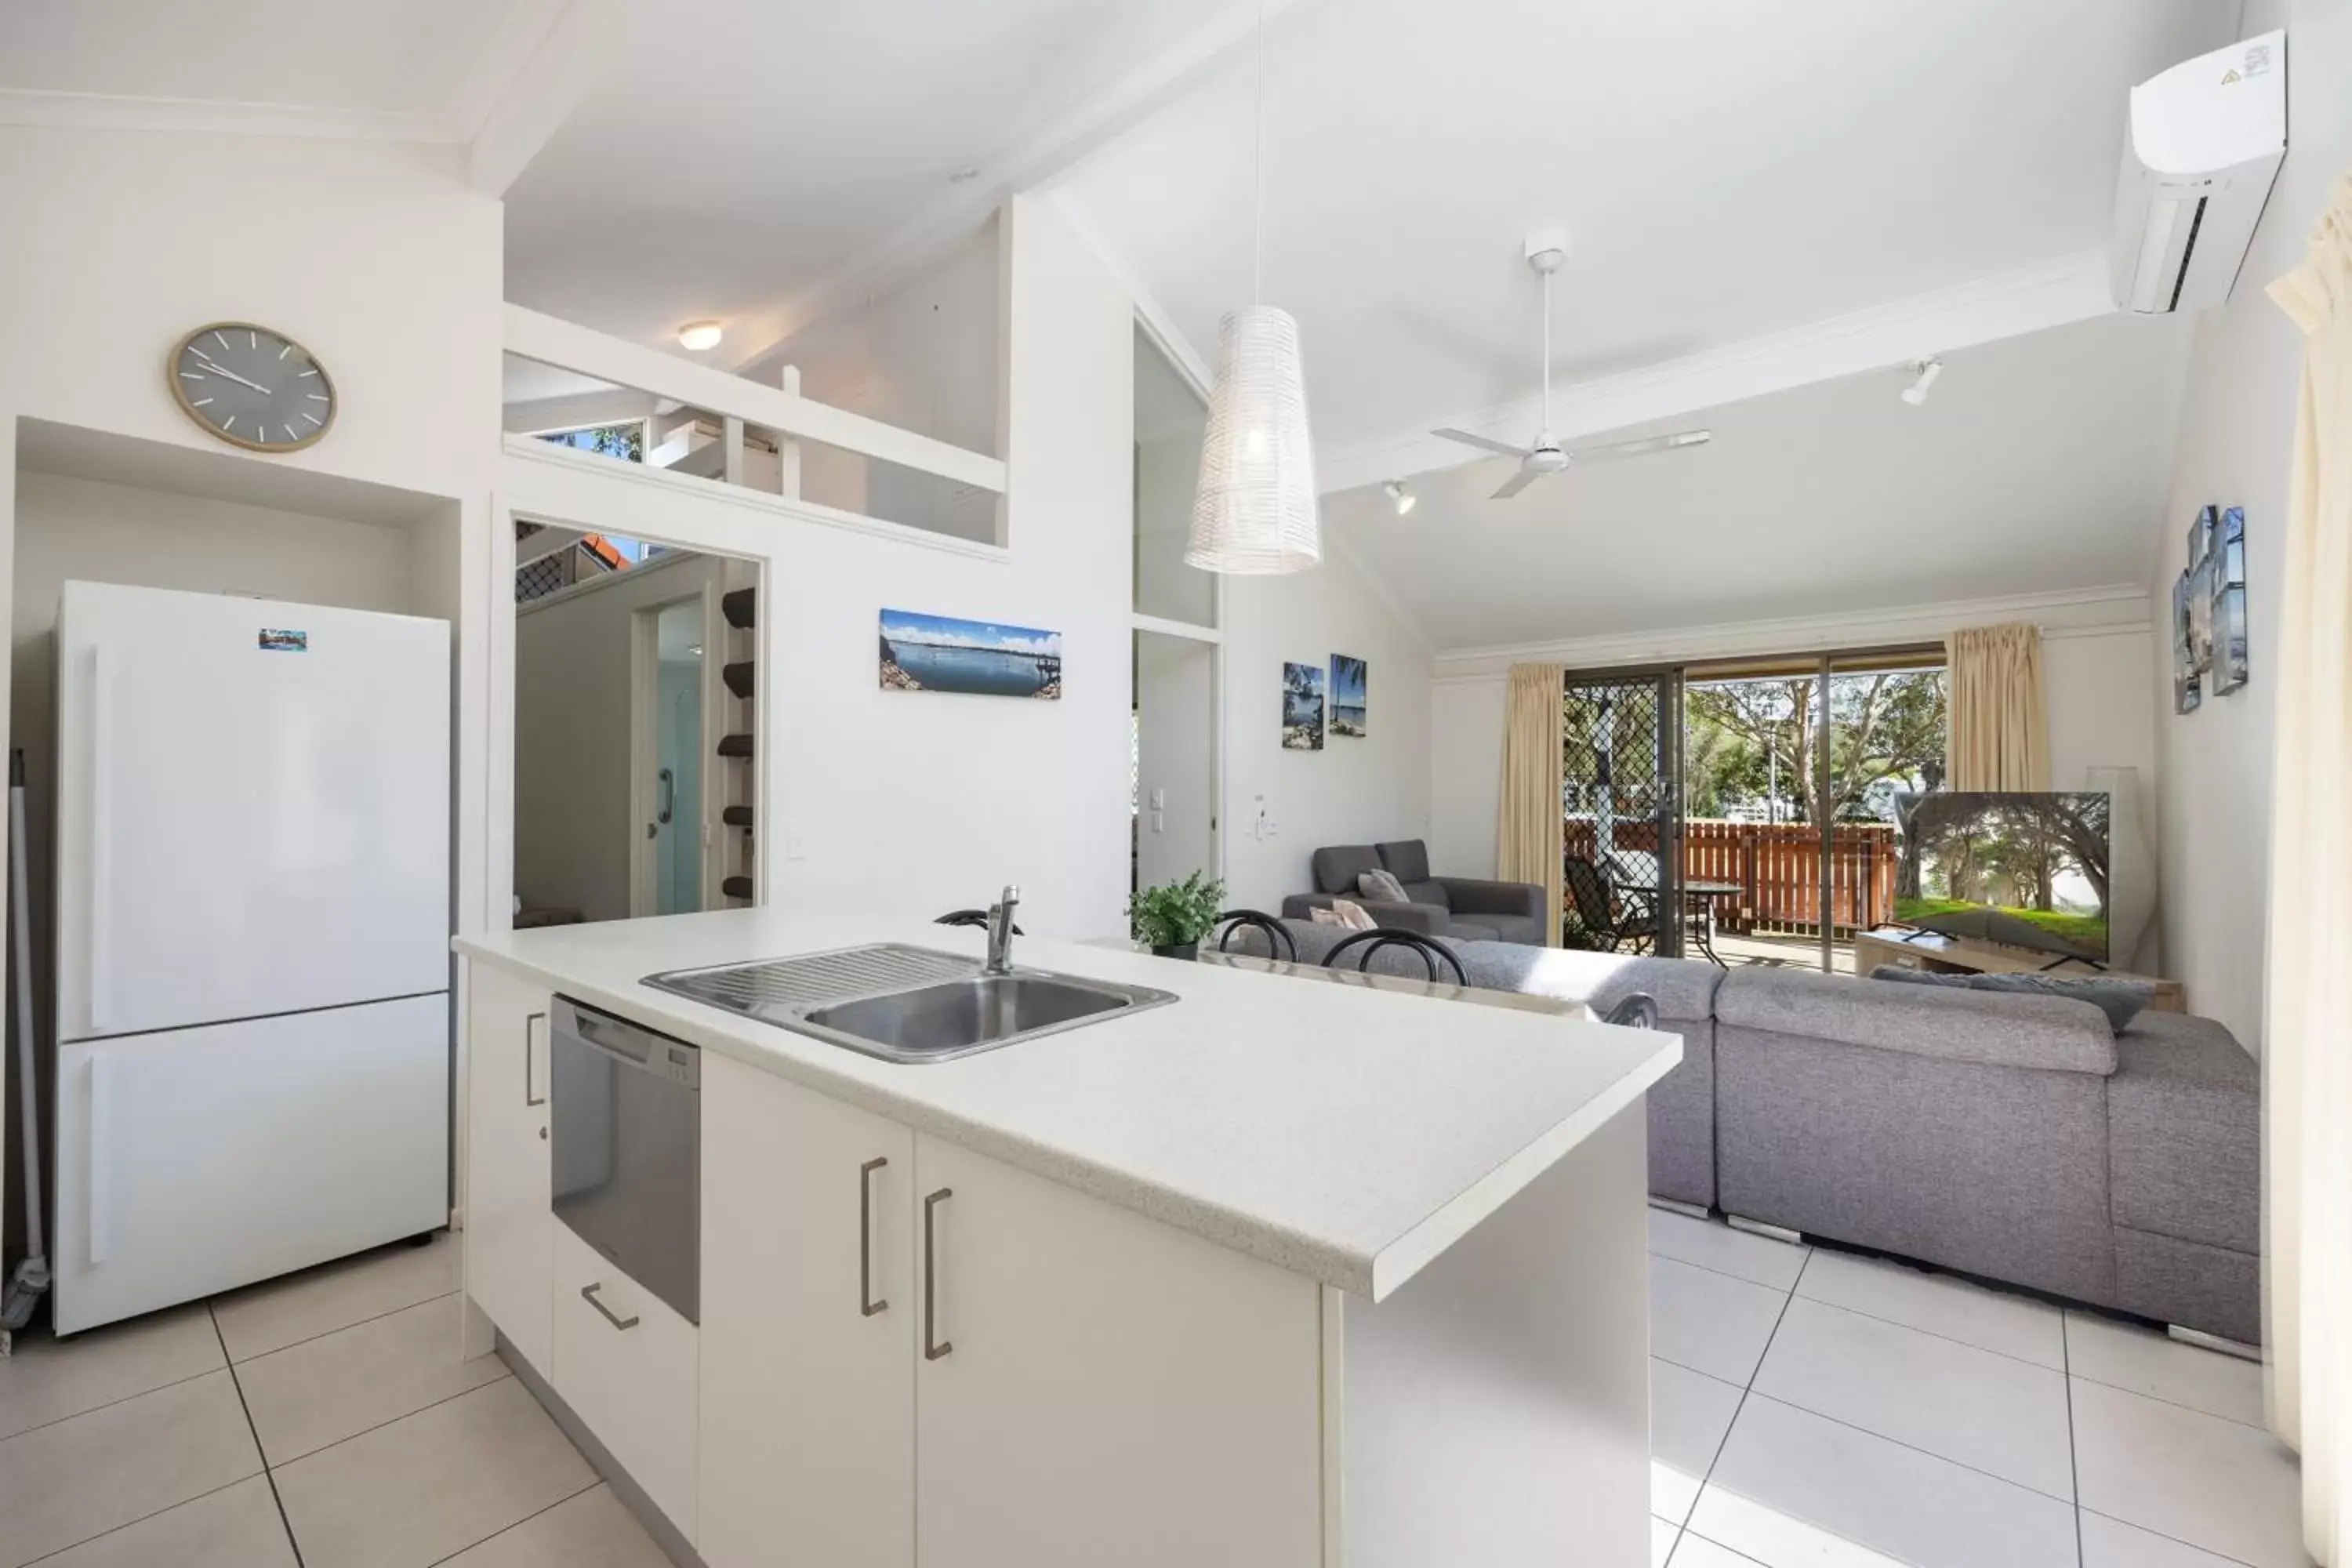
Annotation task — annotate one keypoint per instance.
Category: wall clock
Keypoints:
(252, 387)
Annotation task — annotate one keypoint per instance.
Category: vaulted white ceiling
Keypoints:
(418, 69)
(2039, 463)
(1727, 170)
(743, 155)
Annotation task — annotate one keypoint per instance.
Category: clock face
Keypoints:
(252, 386)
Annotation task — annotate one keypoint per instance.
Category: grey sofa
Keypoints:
(2016, 1138)
(1462, 908)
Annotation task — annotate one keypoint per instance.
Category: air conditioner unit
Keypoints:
(2203, 144)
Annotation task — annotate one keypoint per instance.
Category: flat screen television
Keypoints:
(2022, 869)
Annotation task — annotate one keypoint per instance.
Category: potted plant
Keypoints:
(1174, 916)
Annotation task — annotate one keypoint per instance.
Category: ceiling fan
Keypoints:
(1546, 251)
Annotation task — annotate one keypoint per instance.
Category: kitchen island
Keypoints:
(1278, 1273)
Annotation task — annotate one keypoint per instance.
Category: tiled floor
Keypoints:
(325, 1420)
(1809, 1406)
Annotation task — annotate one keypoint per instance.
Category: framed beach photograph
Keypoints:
(2187, 692)
(2228, 615)
(980, 659)
(1302, 707)
(1348, 675)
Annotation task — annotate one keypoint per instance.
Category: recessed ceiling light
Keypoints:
(963, 176)
(701, 335)
(1399, 493)
(1927, 371)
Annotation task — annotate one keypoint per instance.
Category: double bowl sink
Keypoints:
(906, 1004)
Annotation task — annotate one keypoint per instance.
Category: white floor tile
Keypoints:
(2146, 1362)
(235, 1526)
(1698, 1552)
(1711, 1244)
(1709, 1322)
(48, 1379)
(590, 1530)
(280, 1312)
(1991, 1413)
(1662, 1541)
(2215, 1483)
(430, 1485)
(325, 1390)
(1689, 1414)
(72, 1479)
(1990, 1319)
(1794, 1488)
(2112, 1543)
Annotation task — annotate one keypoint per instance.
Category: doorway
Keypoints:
(1173, 793)
(666, 758)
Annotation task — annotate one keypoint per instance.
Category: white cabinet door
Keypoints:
(507, 1221)
(1095, 1387)
(808, 1328)
(626, 1364)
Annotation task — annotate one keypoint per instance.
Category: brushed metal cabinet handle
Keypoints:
(933, 1346)
(588, 1294)
(529, 1019)
(867, 1304)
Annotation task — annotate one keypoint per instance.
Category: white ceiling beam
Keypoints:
(1038, 164)
(515, 110)
(213, 116)
(2005, 305)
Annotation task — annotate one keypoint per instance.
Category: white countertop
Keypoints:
(1344, 1133)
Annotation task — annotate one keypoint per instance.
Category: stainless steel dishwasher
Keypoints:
(628, 1149)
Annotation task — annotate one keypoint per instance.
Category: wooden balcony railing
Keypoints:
(1778, 866)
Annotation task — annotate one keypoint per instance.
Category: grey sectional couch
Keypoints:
(1462, 908)
(2017, 1137)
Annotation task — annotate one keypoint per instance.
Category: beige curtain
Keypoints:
(2307, 1053)
(1528, 846)
(2001, 722)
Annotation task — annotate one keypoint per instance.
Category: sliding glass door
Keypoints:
(1751, 806)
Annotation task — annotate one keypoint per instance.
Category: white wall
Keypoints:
(916, 803)
(1175, 691)
(922, 357)
(575, 817)
(2237, 440)
(1351, 791)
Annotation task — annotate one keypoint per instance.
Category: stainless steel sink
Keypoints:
(909, 1005)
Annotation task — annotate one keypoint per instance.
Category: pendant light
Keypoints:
(1254, 510)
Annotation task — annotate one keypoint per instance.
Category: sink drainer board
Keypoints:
(814, 979)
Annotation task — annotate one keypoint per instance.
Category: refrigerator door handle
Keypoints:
(100, 1196)
(102, 855)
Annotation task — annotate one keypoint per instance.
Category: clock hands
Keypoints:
(218, 370)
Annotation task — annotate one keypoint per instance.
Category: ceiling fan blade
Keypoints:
(1641, 448)
(1516, 483)
(1481, 442)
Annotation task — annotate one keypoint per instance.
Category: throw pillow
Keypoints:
(1381, 887)
(1341, 912)
(2120, 1000)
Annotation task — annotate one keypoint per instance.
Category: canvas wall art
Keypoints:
(1347, 682)
(1302, 707)
(2200, 589)
(982, 658)
(2227, 618)
(2188, 692)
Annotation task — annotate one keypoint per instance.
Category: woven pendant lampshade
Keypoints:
(1254, 511)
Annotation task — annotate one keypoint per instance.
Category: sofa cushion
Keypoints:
(1337, 867)
(2184, 1132)
(1408, 857)
(1525, 930)
(2120, 1000)
(2215, 1288)
(1459, 929)
(1682, 989)
(1429, 893)
(2043, 1032)
(1381, 884)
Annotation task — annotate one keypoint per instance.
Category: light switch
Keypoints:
(795, 844)
(1160, 800)
(1159, 820)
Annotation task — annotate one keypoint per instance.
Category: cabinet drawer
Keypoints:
(635, 1386)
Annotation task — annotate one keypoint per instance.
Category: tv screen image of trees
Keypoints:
(2029, 870)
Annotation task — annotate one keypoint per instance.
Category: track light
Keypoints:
(1927, 370)
(1403, 497)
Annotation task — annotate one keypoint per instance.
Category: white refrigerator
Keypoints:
(251, 936)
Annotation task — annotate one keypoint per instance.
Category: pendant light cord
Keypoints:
(1258, 172)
